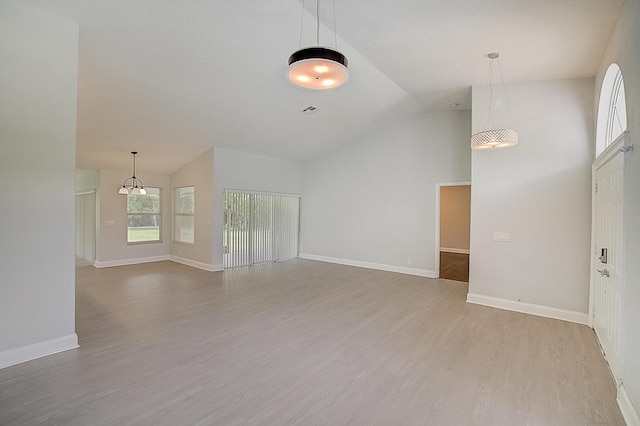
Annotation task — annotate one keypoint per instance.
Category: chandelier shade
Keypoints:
(496, 138)
(133, 185)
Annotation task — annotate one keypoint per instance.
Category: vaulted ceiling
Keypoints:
(173, 78)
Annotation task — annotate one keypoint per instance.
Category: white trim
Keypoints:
(124, 262)
(628, 412)
(612, 150)
(528, 308)
(369, 265)
(454, 250)
(194, 263)
(38, 350)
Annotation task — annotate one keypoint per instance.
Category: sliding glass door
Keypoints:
(259, 228)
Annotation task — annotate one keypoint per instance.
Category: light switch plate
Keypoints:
(502, 237)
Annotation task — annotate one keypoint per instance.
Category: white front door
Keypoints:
(608, 257)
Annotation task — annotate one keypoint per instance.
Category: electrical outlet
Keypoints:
(409, 261)
(502, 237)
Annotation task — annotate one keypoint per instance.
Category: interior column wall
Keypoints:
(38, 106)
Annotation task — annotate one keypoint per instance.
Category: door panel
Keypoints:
(608, 264)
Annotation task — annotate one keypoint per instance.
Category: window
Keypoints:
(143, 212)
(612, 109)
(184, 210)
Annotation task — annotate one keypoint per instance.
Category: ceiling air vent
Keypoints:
(310, 110)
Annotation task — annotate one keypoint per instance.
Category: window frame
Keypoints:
(177, 214)
(158, 214)
(612, 120)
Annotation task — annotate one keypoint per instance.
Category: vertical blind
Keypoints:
(259, 228)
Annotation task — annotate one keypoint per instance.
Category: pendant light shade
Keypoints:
(133, 185)
(494, 138)
(318, 68)
(497, 138)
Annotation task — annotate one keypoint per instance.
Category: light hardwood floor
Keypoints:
(303, 342)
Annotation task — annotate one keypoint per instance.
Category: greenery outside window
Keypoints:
(143, 213)
(184, 213)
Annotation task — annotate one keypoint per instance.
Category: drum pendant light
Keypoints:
(316, 67)
(494, 138)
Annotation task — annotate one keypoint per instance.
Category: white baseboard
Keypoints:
(369, 265)
(200, 265)
(454, 250)
(628, 412)
(528, 308)
(124, 262)
(38, 350)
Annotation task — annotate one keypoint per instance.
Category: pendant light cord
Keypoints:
(506, 97)
(490, 89)
(317, 22)
(301, 24)
(335, 26)
(335, 29)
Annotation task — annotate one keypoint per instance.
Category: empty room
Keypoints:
(320, 212)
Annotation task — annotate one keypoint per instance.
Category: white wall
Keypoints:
(624, 49)
(373, 202)
(540, 193)
(87, 180)
(199, 174)
(242, 171)
(111, 239)
(38, 87)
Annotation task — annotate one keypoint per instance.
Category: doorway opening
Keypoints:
(85, 228)
(453, 219)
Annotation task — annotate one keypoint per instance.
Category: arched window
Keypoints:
(612, 109)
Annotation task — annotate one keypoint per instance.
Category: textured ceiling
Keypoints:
(172, 78)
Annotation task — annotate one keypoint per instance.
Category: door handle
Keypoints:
(604, 272)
